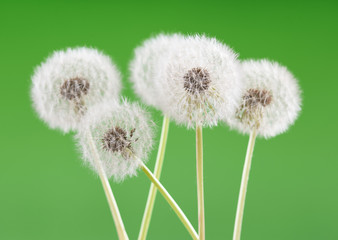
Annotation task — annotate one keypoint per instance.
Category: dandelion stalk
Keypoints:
(157, 173)
(244, 185)
(170, 200)
(121, 232)
(200, 191)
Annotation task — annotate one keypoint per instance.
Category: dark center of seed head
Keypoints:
(74, 88)
(116, 140)
(253, 97)
(196, 80)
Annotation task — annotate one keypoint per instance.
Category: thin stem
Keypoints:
(200, 190)
(121, 232)
(157, 172)
(244, 185)
(170, 200)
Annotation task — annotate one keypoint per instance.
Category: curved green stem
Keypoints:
(121, 232)
(170, 200)
(157, 172)
(244, 186)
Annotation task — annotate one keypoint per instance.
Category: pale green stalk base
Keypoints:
(121, 232)
(200, 190)
(157, 172)
(244, 185)
(171, 201)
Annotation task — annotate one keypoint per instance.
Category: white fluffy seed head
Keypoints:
(145, 64)
(71, 81)
(198, 81)
(120, 133)
(271, 99)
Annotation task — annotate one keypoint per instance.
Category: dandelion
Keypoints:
(199, 81)
(69, 82)
(196, 83)
(116, 139)
(65, 86)
(270, 104)
(200, 84)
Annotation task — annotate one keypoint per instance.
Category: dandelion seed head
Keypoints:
(192, 79)
(198, 81)
(271, 99)
(69, 82)
(121, 132)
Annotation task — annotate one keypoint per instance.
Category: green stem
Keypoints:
(200, 190)
(244, 186)
(121, 232)
(157, 172)
(170, 200)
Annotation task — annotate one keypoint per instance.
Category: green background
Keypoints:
(47, 193)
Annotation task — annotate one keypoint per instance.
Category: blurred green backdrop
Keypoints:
(47, 193)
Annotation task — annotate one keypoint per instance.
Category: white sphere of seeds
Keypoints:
(199, 82)
(121, 134)
(69, 82)
(271, 99)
